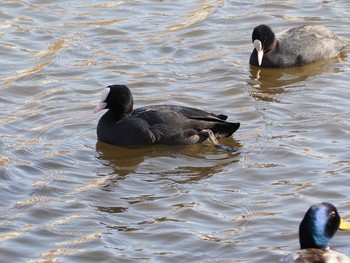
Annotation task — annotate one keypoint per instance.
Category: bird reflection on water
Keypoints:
(267, 82)
(192, 163)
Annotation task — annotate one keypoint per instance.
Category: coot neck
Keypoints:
(115, 115)
(274, 46)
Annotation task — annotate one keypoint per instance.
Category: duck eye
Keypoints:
(332, 214)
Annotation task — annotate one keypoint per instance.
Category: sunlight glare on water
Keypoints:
(68, 198)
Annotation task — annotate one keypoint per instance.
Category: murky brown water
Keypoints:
(66, 198)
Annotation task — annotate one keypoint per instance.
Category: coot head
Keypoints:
(264, 40)
(116, 98)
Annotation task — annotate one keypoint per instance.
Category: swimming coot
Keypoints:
(156, 124)
(295, 47)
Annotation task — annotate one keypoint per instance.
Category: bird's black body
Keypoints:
(297, 46)
(156, 124)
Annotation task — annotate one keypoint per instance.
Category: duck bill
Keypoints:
(344, 225)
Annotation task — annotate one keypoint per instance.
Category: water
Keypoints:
(67, 198)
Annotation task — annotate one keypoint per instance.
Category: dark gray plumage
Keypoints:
(157, 124)
(294, 47)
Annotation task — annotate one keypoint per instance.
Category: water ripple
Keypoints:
(66, 197)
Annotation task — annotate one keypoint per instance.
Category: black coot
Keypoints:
(156, 124)
(294, 47)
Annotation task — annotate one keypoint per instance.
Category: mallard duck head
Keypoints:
(319, 225)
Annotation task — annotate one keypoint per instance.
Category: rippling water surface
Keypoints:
(67, 198)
